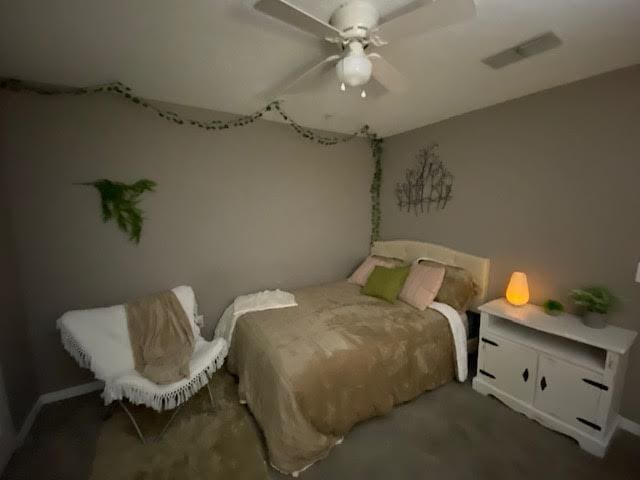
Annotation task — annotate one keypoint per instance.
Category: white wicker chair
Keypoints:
(99, 340)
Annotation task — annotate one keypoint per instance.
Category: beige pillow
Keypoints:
(362, 273)
(458, 288)
(422, 285)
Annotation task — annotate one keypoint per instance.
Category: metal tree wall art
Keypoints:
(428, 184)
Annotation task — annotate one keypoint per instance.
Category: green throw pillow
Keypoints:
(386, 283)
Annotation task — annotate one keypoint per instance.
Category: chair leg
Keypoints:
(133, 421)
(139, 432)
(210, 394)
(175, 412)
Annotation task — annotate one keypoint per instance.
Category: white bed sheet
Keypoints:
(465, 323)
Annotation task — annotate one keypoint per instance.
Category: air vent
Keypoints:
(531, 47)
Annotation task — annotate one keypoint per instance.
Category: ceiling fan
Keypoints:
(353, 27)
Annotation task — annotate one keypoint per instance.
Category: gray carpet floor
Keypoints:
(451, 433)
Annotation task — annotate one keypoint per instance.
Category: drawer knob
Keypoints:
(543, 383)
(525, 374)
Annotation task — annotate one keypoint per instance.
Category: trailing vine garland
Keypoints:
(118, 88)
(376, 215)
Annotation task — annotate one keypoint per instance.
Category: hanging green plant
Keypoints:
(120, 201)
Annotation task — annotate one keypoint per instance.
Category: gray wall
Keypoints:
(16, 359)
(547, 184)
(235, 211)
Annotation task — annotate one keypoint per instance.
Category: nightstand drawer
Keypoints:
(508, 366)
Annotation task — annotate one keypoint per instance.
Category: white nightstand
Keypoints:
(555, 370)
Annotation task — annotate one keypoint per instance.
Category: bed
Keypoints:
(309, 373)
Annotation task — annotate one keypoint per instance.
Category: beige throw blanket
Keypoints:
(309, 373)
(161, 337)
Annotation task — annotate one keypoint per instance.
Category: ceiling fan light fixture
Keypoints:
(342, 87)
(363, 94)
(354, 70)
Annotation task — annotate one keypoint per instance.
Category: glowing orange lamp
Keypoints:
(518, 289)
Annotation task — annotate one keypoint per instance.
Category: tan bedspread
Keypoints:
(309, 373)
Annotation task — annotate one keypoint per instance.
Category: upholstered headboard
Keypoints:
(409, 251)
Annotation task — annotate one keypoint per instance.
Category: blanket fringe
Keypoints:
(73, 348)
(165, 400)
(134, 393)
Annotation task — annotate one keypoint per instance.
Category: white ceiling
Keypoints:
(221, 54)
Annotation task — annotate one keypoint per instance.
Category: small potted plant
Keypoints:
(553, 307)
(596, 303)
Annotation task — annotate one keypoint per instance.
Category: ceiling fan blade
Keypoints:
(287, 13)
(387, 75)
(425, 16)
(303, 79)
(398, 12)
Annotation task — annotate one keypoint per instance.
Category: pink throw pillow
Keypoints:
(422, 285)
(362, 273)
